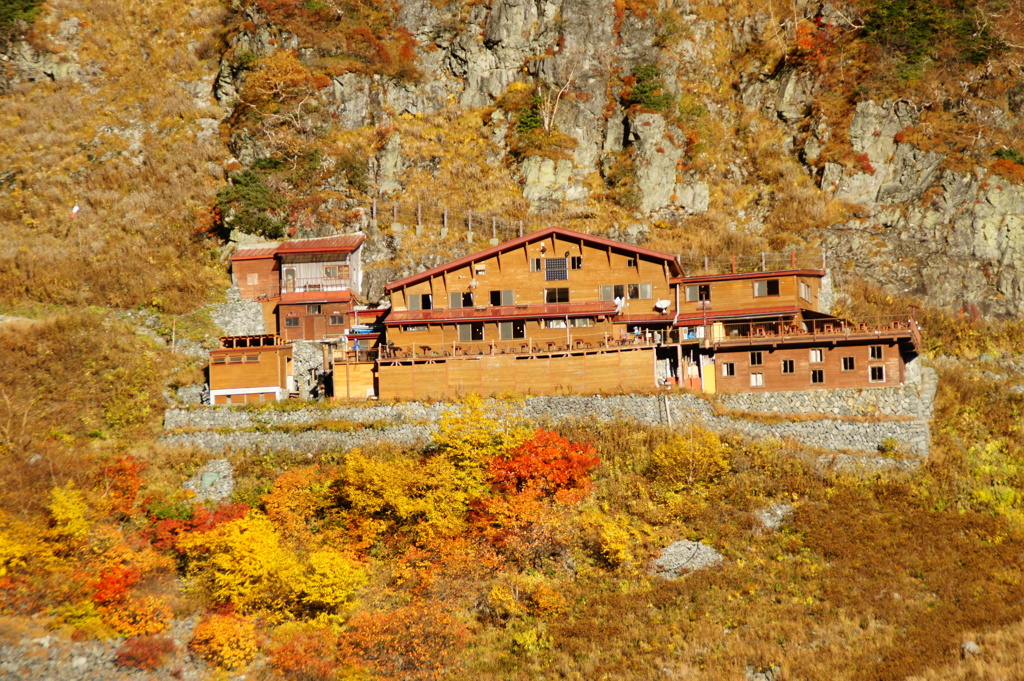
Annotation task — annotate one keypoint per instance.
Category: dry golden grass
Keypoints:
(124, 147)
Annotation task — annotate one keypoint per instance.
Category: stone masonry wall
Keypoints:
(857, 420)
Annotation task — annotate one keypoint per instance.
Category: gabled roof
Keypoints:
(342, 243)
(529, 238)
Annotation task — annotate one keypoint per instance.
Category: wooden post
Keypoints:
(732, 259)
(444, 217)
(419, 215)
(763, 268)
(469, 221)
(494, 228)
(668, 414)
(174, 333)
(792, 258)
(520, 228)
(394, 212)
(373, 208)
(705, 264)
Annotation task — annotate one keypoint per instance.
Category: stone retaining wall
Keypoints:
(859, 420)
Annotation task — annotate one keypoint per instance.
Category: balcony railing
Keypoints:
(826, 329)
(275, 288)
(762, 262)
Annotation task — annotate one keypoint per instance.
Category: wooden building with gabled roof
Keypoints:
(306, 285)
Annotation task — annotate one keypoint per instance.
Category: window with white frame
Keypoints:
(817, 356)
(756, 380)
(875, 352)
(728, 369)
(766, 287)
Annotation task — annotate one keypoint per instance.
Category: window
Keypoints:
(639, 291)
(479, 269)
(554, 324)
(503, 298)
(556, 269)
(729, 369)
(252, 358)
(220, 360)
(335, 271)
(805, 290)
(235, 360)
(512, 330)
(252, 279)
(875, 352)
(613, 291)
(698, 292)
(458, 300)
(421, 301)
(755, 358)
(291, 321)
(878, 374)
(337, 320)
(756, 380)
(766, 287)
(580, 322)
(556, 295)
(471, 332)
(576, 262)
(817, 356)
(535, 264)
(817, 376)
(848, 364)
(414, 327)
(787, 366)
(630, 262)
(314, 309)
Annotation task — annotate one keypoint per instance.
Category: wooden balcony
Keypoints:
(818, 331)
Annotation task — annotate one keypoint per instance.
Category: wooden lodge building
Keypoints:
(305, 285)
(250, 369)
(562, 311)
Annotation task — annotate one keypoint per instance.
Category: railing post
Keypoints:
(792, 258)
(373, 208)
(520, 228)
(394, 212)
(763, 268)
(419, 215)
(444, 217)
(494, 228)
(732, 259)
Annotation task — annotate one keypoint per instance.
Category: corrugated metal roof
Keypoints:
(500, 313)
(714, 316)
(344, 242)
(527, 238)
(296, 298)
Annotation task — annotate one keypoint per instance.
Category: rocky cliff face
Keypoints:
(744, 123)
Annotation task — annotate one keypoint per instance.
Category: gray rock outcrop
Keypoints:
(681, 557)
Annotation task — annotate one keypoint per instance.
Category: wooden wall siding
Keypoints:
(631, 369)
(511, 270)
(257, 279)
(738, 294)
(355, 381)
(271, 369)
(446, 337)
(312, 326)
(245, 399)
(800, 379)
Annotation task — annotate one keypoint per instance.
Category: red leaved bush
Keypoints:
(548, 465)
(145, 652)
(164, 533)
(114, 584)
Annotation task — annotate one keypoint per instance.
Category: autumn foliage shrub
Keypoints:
(548, 464)
(694, 458)
(226, 640)
(145, 652)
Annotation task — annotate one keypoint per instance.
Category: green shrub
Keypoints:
(248, 204)
(917, 30)
(13, 15)
(648, 89)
